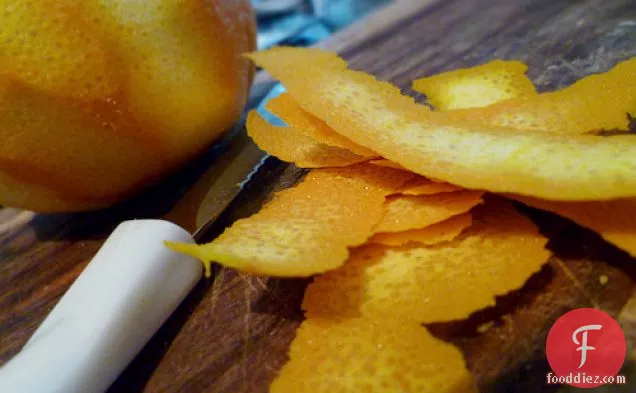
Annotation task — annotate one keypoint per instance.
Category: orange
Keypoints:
(99, 98)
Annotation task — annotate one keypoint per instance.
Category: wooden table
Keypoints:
(232, 333)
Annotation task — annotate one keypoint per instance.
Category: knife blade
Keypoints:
(131, 286)
(224, 180)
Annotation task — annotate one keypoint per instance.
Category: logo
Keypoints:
(586, 348)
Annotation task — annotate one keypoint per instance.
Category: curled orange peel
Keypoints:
(360, 355)
(476, 86)
(446, 282)
(596, 102)
(612, 220)
(387, 164)
(306, 229)
(424, 186)
(444, 231)
(290, 145)
(284, 107)
(376, 115)
(406, 212)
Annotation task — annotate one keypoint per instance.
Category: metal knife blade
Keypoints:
(224, 179)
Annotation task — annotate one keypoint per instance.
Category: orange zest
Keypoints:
(306, 229)
(424, 186)
(446, 282)
(376, 115)
(287, 110)
(405, 212)
(365, 355)
(290, 145)
(444, 231)
(594, 103)
(613, 220)
(476, 86)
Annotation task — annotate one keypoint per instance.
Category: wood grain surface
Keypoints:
(232, 333)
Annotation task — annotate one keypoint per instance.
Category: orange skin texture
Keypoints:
(103, 97)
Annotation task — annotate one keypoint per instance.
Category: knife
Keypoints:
(131, 286)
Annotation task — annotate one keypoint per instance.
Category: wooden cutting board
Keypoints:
(232, 333)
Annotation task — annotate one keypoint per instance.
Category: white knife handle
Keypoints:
(109, 313)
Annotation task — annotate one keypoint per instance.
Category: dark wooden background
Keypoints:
(232, 333)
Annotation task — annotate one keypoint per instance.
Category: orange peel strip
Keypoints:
(613, 220)
(406, 212)
(444, 231)
(360, 355)
(594, 103)
(424, 186)
(289, 145)
(477, 86)
(388, 164)
(308, 228)
(287, 110)
(446, 282)
(376, 115)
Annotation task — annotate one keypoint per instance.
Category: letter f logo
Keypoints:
(584, 347)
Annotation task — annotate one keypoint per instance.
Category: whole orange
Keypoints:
(99, 98)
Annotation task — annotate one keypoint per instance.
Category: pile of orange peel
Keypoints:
(406, 216)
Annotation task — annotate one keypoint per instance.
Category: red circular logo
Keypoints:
(586, 348)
